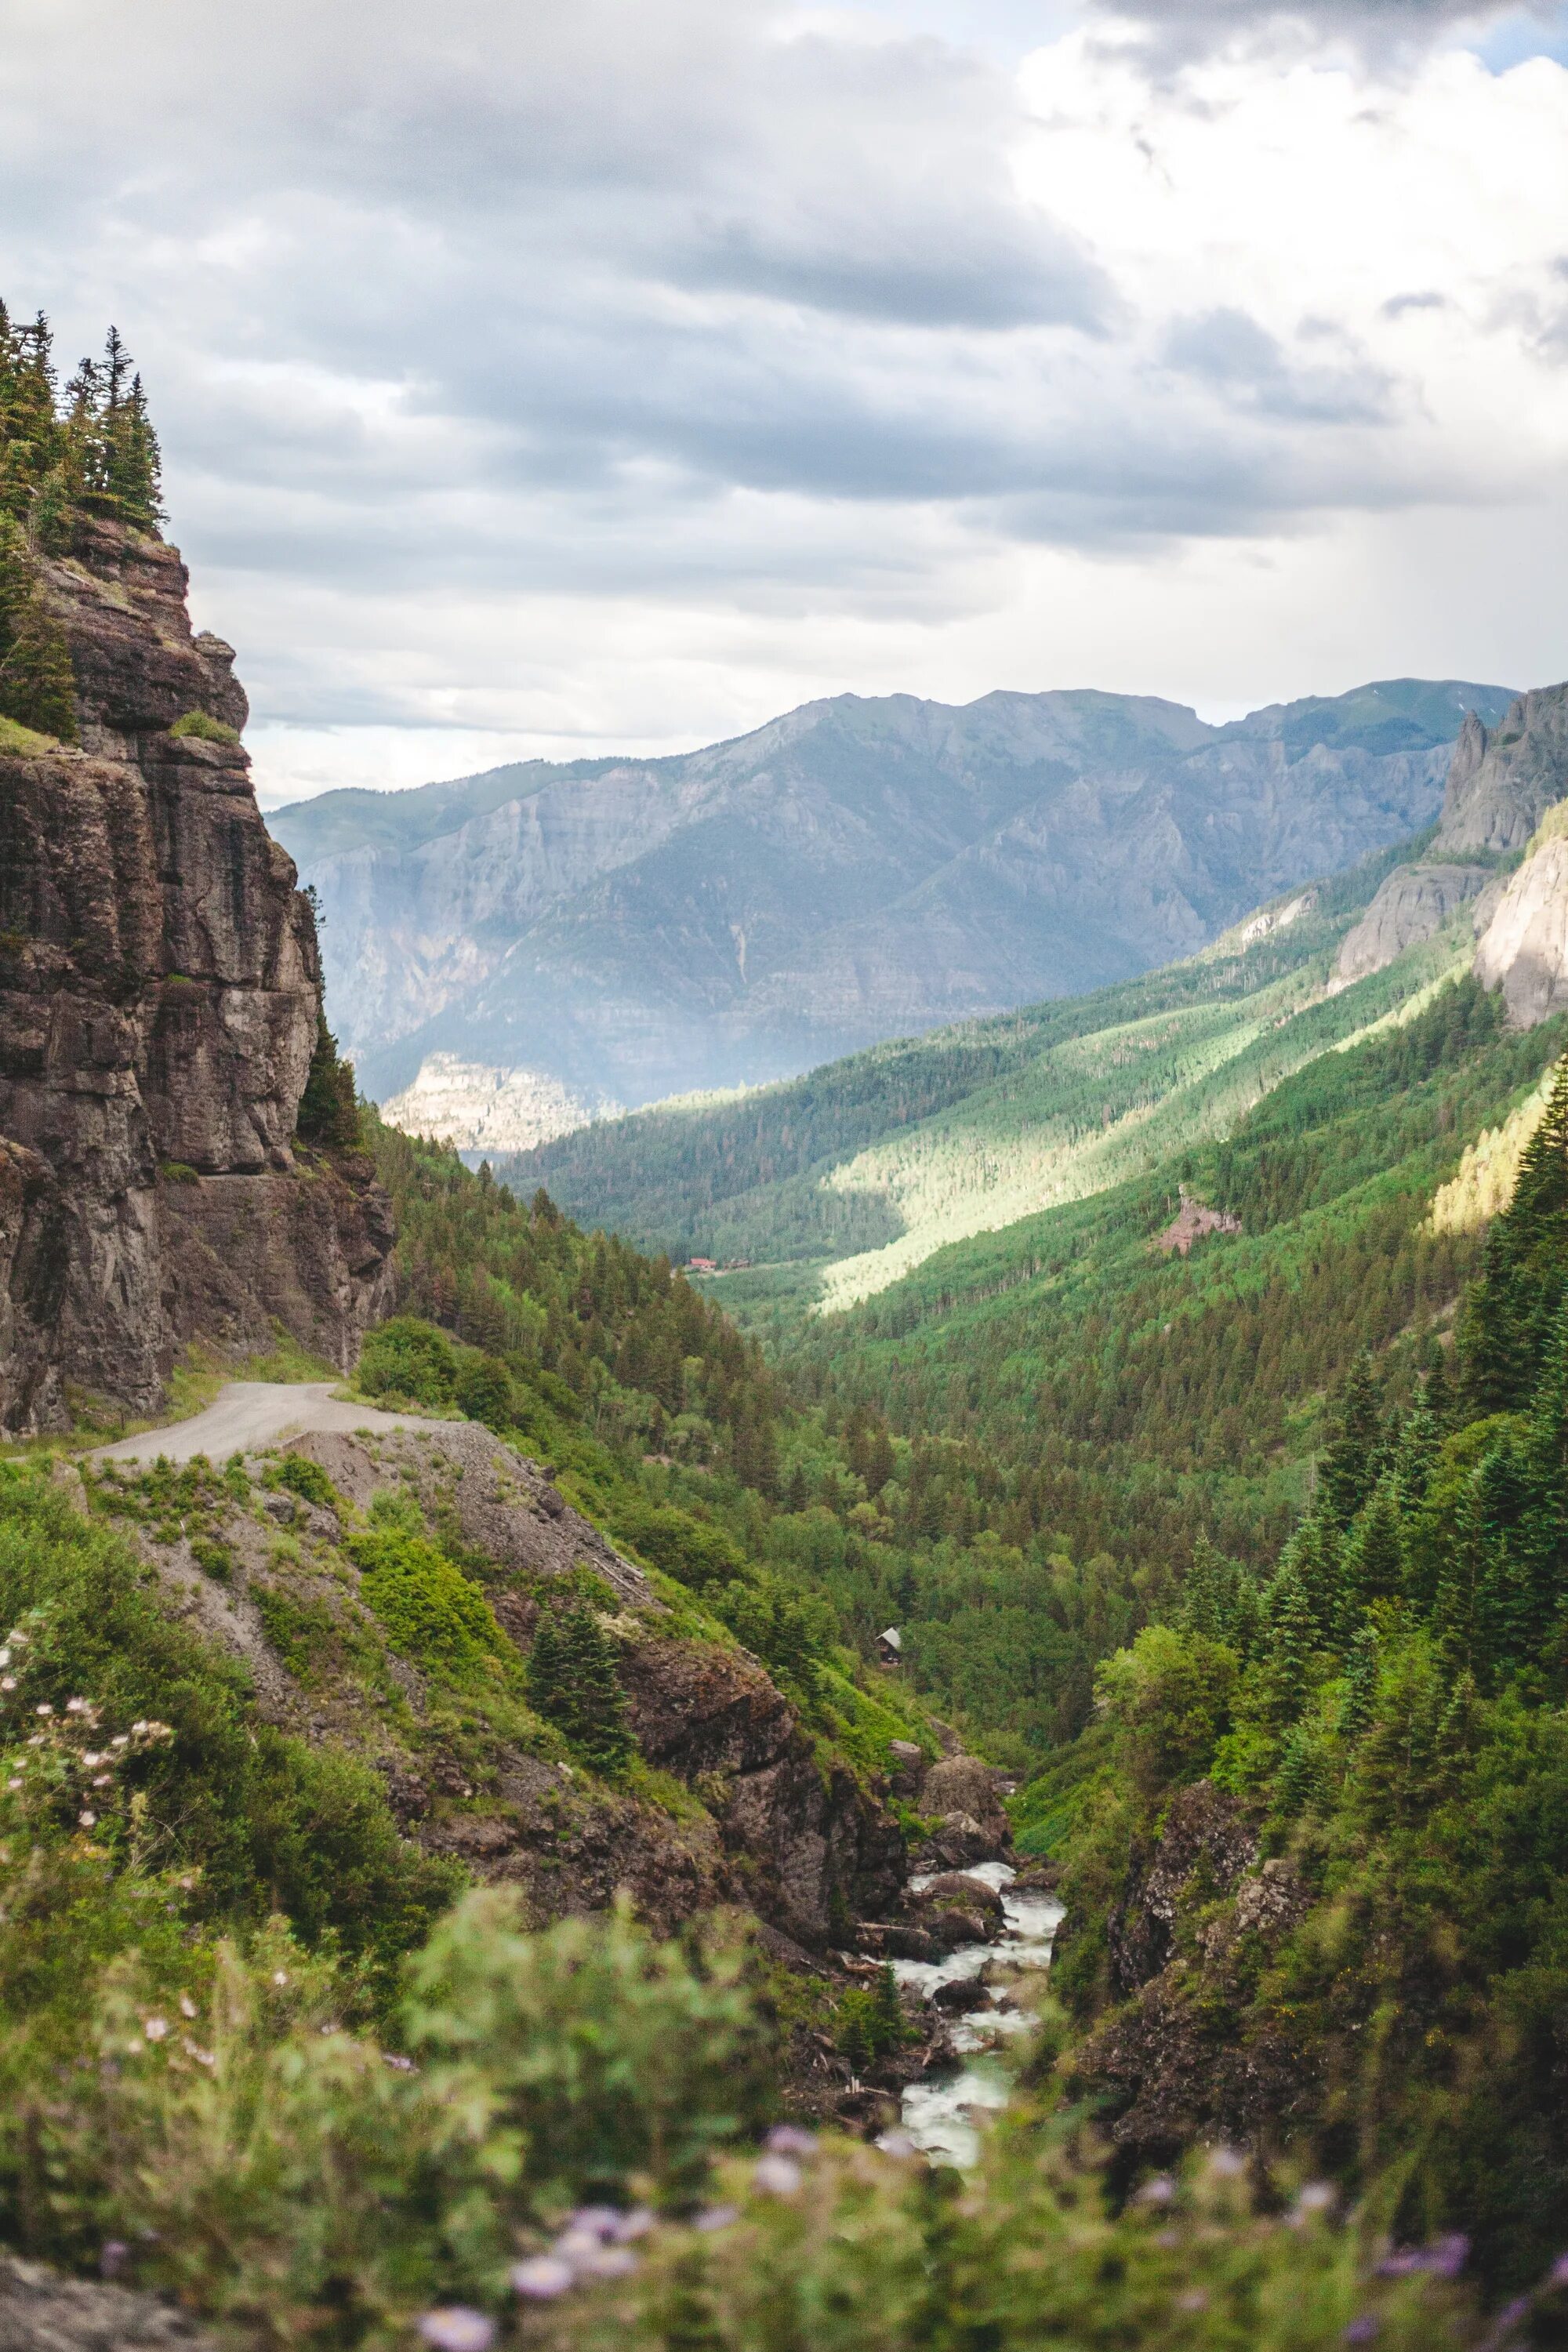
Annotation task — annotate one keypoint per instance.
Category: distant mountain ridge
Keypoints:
(855, 870)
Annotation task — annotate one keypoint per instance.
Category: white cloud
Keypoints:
(545, 380)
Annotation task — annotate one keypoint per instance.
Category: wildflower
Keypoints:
(1315, 2197)
(1194, 2300)
(192, 2049)
(187, 2006)
(1363, 2329)
(597, 2220)
(608, 2262)
(102, 1780)
(7, 1683)
(112, 2257)
(1229, 2162)
(776, 2175)
(154, 2028)
(1558, 2275)
(43, 1708)
(1445, 2257)
(457, 2328)
(279, 1976)
(637, 2223)
(542, 2277)
(77, 1706)
(898, 2143)
(120, 1740)
(788, 2140)
(87, 1817)
(91, 1756)
(399, 2066)
(4, 1658)
(1158, 2191)
(715, 2217)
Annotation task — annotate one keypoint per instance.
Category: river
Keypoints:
(941, 2112)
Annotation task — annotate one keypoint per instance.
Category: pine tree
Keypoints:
(546, 1674)
(1511, 1315)
(37, 686)
(1374, 1555)
(1349, 1465)
(573, 1680)
(1361, 1683)
(888, 2029)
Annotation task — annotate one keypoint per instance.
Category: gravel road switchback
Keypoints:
(250, 1414)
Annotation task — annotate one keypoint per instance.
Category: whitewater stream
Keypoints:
(941, 2112)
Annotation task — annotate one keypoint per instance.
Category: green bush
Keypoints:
(434, 1617)
(307, 1479)
(203, 728)
(406, 1357)
(484, 1392)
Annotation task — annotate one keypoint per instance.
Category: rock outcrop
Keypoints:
(1500, 786)
(160, 986)
(1413, 904)
(1524, 949)
(1502, 781)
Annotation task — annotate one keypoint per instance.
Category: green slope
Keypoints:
(858, 1173)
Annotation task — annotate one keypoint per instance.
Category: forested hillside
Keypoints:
(1376, 1715)
(841, 1182)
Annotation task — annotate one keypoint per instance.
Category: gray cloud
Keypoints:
(681, 303)
(1176, 32)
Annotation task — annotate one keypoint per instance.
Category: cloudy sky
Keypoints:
(554, 379)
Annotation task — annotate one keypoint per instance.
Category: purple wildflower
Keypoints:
(543, 2278)
(1363, 2330)
(457, 2328)
(1509, 2319)
(788, 2140)
(715, 2217)
(776, 2175)
(112, 2257)
(1158, 2191)
(1445, 2257)
(1558, 2275)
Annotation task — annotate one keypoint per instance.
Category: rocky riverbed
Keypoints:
(985, 1988)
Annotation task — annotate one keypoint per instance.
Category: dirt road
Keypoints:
(249, 1414)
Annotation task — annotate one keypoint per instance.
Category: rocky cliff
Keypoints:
(1500, 786)
(160, 987)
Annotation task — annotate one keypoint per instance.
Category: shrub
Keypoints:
(485, 1392)
(307, 1479)
(434, 1617)
(203, 728)
(406, 1358)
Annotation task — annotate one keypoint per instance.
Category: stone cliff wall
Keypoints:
(159, 991)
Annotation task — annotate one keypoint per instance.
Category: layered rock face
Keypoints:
(1413, 904)
(1524, 949)
(1499, 787)
(159, 992)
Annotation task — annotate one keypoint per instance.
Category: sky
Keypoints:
(546, 381)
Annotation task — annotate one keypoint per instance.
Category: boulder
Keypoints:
(957, 1843)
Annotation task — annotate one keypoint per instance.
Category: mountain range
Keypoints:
(525, 949)
(835, 1186)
